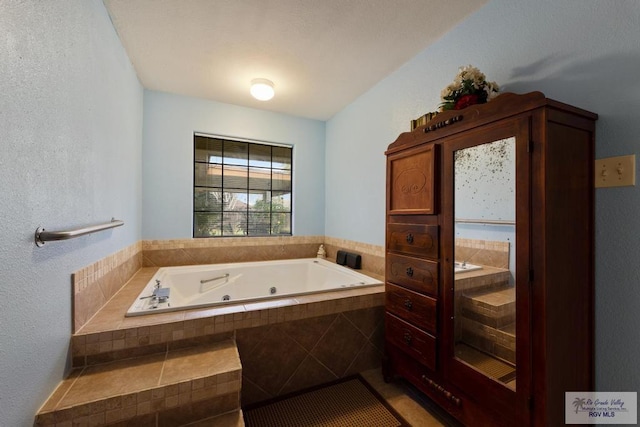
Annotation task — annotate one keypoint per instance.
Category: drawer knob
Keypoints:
(408, 304)
(407, 338)
(409, 271)
(409, 238)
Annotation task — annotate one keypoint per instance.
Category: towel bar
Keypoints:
(42, 236)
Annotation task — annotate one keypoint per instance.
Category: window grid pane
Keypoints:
(235, 176)
(281, 180)
(241, 188)
(235, 153)
(208, 150)
(282, 158)
(260, 155)
(259, 178)
(207, 224)
(207, 175)
(207, 199)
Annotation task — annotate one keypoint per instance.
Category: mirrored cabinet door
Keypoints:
(486, 196)
(484, 259)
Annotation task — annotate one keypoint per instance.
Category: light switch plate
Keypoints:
(615, 171)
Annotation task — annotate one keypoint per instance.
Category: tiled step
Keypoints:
(488, 322)
(500, 343)
(495, 307)
(172, 388)
(485, 279)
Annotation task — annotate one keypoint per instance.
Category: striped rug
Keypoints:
(349, 403)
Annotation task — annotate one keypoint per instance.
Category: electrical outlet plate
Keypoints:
(615, 171)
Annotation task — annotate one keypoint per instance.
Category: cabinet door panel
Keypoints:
(411, 306)
(413, 239)
(413, 273)
(411, 182)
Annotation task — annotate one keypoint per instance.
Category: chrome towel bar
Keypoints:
(47, 236)
(485, 221)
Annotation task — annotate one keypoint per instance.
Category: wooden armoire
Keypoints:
(490, 260)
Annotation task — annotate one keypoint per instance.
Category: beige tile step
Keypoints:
(488, 321)
(165, 389)
(501, 343)
(493, 307)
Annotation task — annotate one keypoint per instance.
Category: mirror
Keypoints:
(484, 254)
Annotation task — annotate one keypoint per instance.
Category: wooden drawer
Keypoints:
(413, 239)
(413, 273)
(411, 340)
(413, 307)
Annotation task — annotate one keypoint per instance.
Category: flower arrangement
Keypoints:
(468, 88)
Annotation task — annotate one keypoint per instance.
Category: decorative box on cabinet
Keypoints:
(499, 346)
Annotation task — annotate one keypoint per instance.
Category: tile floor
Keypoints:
(413, 407)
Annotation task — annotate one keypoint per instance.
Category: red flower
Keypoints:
(466, 101)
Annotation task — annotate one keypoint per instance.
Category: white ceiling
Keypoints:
(320, 54)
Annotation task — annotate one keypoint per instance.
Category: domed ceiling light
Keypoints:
(262, 89)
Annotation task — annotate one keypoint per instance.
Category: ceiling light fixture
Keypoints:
(262, 89)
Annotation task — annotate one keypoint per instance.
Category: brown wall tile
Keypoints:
(310, 373)
(339, 346)
(326, 347)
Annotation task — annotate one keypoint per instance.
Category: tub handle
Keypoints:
(226, 276)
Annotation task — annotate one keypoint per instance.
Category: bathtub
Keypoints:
(196, 286)
(463, 267)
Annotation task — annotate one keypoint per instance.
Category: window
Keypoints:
(241, 188)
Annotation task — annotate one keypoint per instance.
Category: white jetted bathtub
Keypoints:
(179, 288)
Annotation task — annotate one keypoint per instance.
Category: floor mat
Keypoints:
(350, 403)
(486, 363)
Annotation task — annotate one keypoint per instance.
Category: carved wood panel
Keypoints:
(411, 182)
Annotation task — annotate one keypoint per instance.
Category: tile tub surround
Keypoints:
(163, 253)
(94, 285)
(483, 252)
(111, 340)
(372, 255)
(109, 335)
